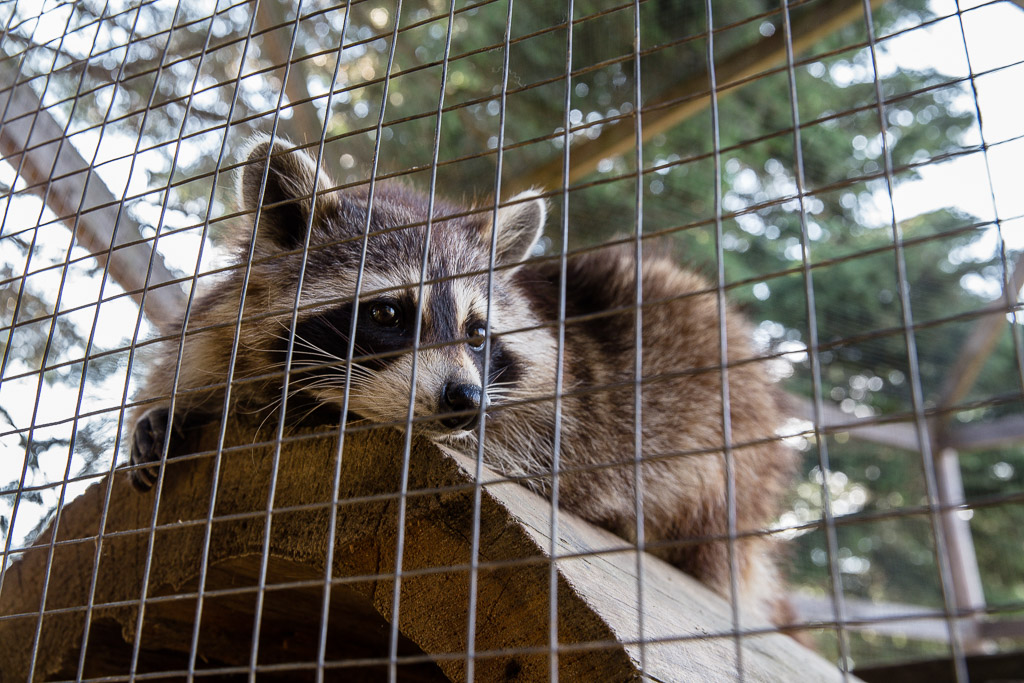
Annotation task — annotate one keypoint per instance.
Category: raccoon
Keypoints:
(514, 387)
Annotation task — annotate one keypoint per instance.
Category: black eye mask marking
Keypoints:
(504, 366)
(384, 333)
(384, 329)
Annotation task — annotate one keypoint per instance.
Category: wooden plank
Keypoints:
(79, 195)
(597, 613)
(692, 94)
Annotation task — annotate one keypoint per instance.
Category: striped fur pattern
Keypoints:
(681, 434)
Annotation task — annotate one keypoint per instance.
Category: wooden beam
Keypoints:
(50, 164)
(899, 434)
(988, 434)
(979, 343)
(886, 618)
(895, 619)
(1003, 628)
(687, 628)
(693, 95)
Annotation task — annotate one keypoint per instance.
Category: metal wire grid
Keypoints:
(920, 412)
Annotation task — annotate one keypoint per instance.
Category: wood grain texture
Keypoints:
(597, 593)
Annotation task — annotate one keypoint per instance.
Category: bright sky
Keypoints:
(993, 39)
(993, 34)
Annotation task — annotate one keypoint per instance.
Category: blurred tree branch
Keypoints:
(692, 94)
(305, 124)
(99, 223)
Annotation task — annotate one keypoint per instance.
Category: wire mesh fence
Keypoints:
(452, 340)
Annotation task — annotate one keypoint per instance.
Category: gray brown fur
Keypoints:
(684, 489)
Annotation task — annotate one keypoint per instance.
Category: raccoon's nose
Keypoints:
(464, 399)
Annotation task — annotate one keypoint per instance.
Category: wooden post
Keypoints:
(969, 593)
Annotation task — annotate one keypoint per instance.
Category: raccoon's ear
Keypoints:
(287, 194)
(520, 224)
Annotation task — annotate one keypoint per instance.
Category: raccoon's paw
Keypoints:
(147, 447)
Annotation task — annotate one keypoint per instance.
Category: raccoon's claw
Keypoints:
(147, 447)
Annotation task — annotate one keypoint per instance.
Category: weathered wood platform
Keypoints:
(685, 627)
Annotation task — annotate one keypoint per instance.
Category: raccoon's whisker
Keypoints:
(311, 361)
(270, 414)
(333, 360)
(248, 345)
(251, 411)
(344, 336)
(358, 422)
(322, 384)
(311, 410)
(279, 336)
(504, 394)
(359, 374)
(302, 340)
(307, 365)
(497, 375)
(273, 408)
(335, 329)
(309, 346)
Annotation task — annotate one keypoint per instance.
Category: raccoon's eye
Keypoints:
(384, 314)
(476, 335)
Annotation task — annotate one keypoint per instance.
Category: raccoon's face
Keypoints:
(412, 319)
